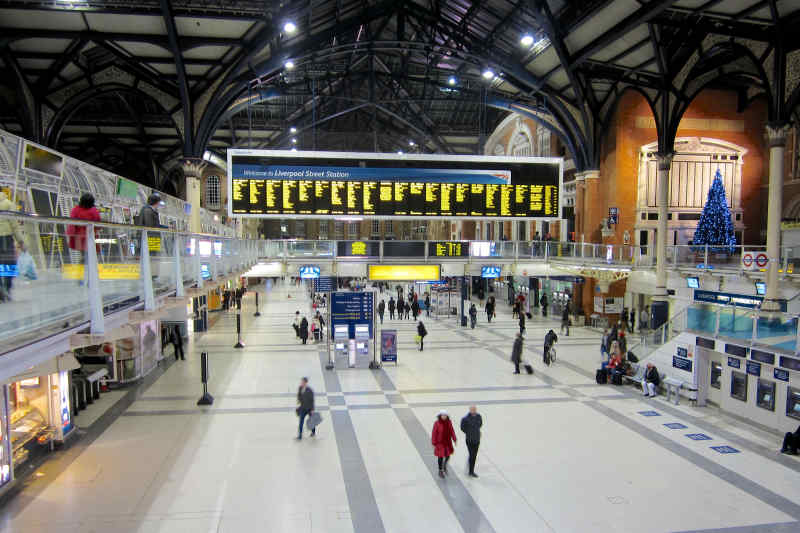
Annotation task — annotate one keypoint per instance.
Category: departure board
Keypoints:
(267, 184)
(448, 249)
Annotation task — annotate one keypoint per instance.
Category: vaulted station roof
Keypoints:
(136, 85)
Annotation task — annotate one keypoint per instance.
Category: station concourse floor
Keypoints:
(559, 453)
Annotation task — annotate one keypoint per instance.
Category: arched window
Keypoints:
(213, 196)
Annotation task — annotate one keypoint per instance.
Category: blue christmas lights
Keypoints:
(715, 227)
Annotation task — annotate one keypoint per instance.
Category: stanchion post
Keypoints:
(206, 398)
(257, 313)
(239, 343)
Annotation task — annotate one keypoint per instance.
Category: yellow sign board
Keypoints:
(154, 243)
(107, 271)
(404, 272)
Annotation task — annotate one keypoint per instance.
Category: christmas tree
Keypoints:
(715, 227)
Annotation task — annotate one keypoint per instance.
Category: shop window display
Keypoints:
(29, 427)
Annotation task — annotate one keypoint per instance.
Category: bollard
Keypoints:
(206, 399)
(239, 343)
(256, 313)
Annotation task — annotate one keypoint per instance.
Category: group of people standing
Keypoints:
(405, 309)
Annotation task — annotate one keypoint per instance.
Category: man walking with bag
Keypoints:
(471, 426)
(305, 406)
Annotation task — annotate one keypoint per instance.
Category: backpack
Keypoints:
(632, 358)
(601, 376)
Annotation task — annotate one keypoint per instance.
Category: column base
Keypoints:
(771, 305)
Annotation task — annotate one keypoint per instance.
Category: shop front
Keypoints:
(36, 410)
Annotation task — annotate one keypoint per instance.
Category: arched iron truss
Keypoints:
(180, 77)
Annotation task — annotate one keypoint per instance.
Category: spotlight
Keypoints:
(294, 149)
(399, 152)
(451, 80)
(411, 143)
(292, 130)
(290, 27)
(294, 140)
(526, 40)
(488, 74)
(289, 64)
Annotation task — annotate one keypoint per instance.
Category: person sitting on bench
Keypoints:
(651, 380)
(615, 364)
(791, 441)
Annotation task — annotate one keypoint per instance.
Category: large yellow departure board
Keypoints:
(298, 184)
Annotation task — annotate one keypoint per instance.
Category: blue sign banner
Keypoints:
(491, 271)
(427, 175)
(351, 308)
(683, 352)
(753, 368)
(728, 298)
(325, 284)
(8, 270)
(781, 374)
(309, 271)
(725, 449)
(698, 436)
(682, 364)
(389, 346)
(734, 363)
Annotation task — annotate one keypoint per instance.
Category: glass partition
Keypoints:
(736, 323)
(777, 331)
(702, 319)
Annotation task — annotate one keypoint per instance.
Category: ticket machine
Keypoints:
(362, 339)
(341, 339)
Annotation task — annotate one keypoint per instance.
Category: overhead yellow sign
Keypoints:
(404, 272)
(107, 271)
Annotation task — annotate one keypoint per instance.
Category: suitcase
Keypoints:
(528, 369)
(601, 376)
(529, 315)
(616, 378)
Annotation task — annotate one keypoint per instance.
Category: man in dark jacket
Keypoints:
(543, 303)
(521, 323)
(471, 426)
(148, 216)
(415, 309)
(516, 353)
(427, 305)
(651, 380)
(791, 441)
(489, 309)
(177, 342)
(422, 332)
(381, 309)
(549, 339)
(305, 405)
(391, 308)
(473, 315)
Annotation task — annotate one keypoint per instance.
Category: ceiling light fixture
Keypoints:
(293, 130)
(451, 80)
(290, 27)
(289, 64)
(411, 143)
(488, 74)
(526, 40)
(399, 152)
(294, 140)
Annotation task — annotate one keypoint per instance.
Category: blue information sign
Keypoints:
(325, 284)
(681, 363)
(352, 308)
(753, 368)
(389, 346)
(781, 374)
(734, 363)
(309, 272)
(491, 271)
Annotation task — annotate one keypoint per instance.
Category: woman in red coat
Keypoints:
(85, 210)
(442, 438)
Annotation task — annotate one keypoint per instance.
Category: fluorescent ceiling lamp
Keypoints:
(290, 27)
(411, 143)
(488, 74)
(289, 64)
(292, 130)
(451, 80)
(526, 40)
(294, 140)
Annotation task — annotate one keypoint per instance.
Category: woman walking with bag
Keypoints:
(443, 437)
(421, 333)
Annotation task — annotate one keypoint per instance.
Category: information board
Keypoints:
(325, 284)
(351, 308)
(448, 249)
(279, 183)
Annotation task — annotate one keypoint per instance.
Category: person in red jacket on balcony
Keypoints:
(442, 437)
(85, 210)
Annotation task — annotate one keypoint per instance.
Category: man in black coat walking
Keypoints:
(177, 342)
(471, 426)
(391, 308)
(516, 353)
(305, 405)
(381, 309)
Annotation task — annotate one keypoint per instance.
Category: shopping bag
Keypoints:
(26, 267)
(314, 420)
(417, 339)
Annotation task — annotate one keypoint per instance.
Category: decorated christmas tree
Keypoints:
(715, 227)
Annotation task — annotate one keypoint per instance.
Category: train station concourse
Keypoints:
(400, 265)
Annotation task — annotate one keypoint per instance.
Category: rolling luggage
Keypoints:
(616, 378)
(528, 368)
(529, 315)
(601, 376)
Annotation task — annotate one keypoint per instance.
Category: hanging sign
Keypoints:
(753, 368)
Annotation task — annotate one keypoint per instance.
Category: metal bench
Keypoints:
(673, 386)
(638, 376)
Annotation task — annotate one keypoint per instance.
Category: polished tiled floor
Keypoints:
(559, 453)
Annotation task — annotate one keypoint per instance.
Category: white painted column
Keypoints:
(776, 135)
(192, 172)
(664, 165)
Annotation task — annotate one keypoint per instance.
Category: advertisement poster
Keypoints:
(389, 346)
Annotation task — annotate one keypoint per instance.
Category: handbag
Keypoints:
(417, 339)
(26, 267)
(314, 420)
